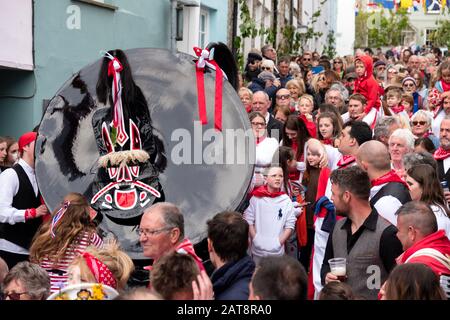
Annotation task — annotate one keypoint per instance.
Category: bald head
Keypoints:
(375, 154)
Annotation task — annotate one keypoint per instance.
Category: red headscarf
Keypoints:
(100, 271)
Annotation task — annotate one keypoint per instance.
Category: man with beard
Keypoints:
(368, 242)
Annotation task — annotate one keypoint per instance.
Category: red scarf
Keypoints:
(187, 247)
(445, 85)
(310, 125)
(263, 191)
(327, 141)
(397, 109)
(441, 154)
(391, 176)
(100, 271)
(345, 161)
(248, 108)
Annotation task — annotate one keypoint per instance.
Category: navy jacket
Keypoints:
(260, 85)
(230, 282)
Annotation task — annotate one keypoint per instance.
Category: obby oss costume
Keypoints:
(140, 127)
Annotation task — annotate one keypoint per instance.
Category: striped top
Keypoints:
(58, 273)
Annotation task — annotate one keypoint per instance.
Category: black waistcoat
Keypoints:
(22, 233)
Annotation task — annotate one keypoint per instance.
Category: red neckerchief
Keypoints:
(391, 176)
(397, 109)
(248, 108)
(263, 191)
(260, 139)
(445, 85)
(441, 154)
(187, 247)
(345, 161)
(327, 141)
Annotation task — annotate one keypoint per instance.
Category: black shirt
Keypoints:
(390, 245)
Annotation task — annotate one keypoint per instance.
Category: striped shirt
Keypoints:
(58, 272)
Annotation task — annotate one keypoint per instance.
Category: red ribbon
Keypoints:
(201, 89)
(114, 67)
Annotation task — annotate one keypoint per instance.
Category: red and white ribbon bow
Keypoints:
(114, 69)
(58, 216)
(205, 59)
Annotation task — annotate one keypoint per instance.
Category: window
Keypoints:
(179, 35)
(203, 36)
(429, 36)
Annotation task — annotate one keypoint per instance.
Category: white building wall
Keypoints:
(345, 27)
(16, 18)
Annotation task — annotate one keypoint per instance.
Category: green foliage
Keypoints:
(330, 48)
(292, 40)
(377, 29)
(441, 36)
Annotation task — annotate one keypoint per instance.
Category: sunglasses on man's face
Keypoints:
(422, 123)
(266, 68)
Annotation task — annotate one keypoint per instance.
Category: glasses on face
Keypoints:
(306, 59)
(409, 85)
(266, 68)
(258, 124)
(283, 96)
(335, 62)
(322, 79)
(422, 123)
(13, 295)
(392, 71)
(147, 232)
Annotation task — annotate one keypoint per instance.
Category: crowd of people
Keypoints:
(352, 162)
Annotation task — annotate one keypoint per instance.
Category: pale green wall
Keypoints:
(60, 52)
(218, 11)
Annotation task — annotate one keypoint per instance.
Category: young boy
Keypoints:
(408, 103)
(270, 216)
(367, 85)
(393, 101)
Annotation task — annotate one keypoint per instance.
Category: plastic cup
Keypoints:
(338, 267)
